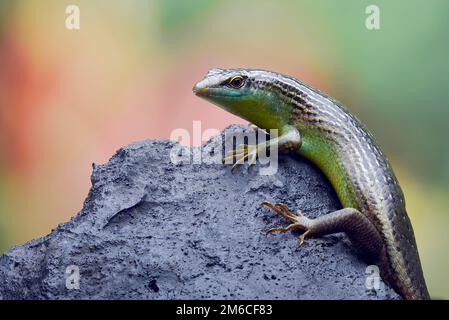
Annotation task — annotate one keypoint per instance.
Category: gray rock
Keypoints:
(152, 229)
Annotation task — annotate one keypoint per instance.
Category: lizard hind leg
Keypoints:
(298, 221)
(349, 220)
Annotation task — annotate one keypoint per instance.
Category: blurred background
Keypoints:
(69, 98)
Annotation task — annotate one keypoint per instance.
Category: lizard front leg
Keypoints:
(288, 140)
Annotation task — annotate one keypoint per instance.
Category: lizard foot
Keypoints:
(241, 153)
(299, 220)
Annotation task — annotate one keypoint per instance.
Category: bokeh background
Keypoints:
(69, 98)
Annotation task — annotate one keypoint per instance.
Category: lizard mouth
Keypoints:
(202, 89)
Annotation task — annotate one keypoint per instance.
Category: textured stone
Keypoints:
(151, 229)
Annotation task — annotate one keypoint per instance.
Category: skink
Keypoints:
(322, 130)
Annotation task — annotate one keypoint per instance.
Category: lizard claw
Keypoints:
(241, 153)
(299, 220)
(302, 237)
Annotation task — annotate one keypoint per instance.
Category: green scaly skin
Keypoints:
(322, 130)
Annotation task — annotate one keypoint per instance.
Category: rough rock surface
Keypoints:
(152, 229)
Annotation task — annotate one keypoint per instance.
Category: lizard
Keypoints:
(321, 129)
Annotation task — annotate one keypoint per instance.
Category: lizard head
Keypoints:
(243, 92)
(223, 86)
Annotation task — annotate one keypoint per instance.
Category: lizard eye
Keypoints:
(236, 82)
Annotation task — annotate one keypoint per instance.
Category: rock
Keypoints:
(153, 229)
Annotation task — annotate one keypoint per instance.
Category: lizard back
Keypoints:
(362, 177)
